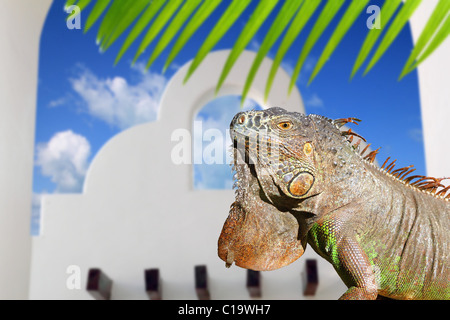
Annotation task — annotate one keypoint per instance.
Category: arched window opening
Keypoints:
(211, 142)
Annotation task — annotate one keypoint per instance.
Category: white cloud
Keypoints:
(416, 134)
(117, 101)
(314, 101)
(57, 102)
(65, 160)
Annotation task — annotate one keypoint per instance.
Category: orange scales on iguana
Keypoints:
(301, 180)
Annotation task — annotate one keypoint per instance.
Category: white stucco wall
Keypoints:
(139, 210)
(21, 23)
(434, 83)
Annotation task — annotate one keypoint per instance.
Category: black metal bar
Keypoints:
(153, 284)
(201, 282)
(99, 285)
(254, 283)
(311, 278)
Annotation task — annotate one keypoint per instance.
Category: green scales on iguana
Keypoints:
(300, 179)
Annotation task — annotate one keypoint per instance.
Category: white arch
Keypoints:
(200, 88)
(137, 204)
(179, 104)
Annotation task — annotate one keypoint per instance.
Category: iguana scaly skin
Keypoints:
(300, 179)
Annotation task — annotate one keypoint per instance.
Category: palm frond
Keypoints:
(120, 16)
(197, 20)
(260, 14)
(178, 20)
(140, 25)
(327, 14)
(279, 24)
(96, 12)
(233, 12)
(346, 22)
(441, 35)
(397, 25)
(160, 21)
(70, 3)
(436, 31)
(302, 17)
(83, 4)
(387, 11)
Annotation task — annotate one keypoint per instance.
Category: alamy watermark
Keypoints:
(212, 146)
(74, 19)
(73, 280)
(374, 20)
(190, 149)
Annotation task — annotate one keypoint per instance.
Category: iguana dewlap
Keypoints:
(299, 180)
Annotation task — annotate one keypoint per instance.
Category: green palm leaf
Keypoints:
(109, 22)
(83, 4)
(302, 17)
(279, 24)
(143, 21)
(431, 37)
(386, 12)
(122, 13)
(119, 15)
(327, 14)
(230, 15)
(258, 17)
(96, 12)
(437, 40)
(346, 22)
(173, 28)
(397, 25)
(70, 3)
(197, 20)
(159, 23)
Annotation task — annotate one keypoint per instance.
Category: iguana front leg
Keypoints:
(335, 241)
(356, 271)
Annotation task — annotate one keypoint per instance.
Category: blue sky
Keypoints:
(83, 100)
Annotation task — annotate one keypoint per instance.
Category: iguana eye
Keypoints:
(241, 119)
(285, 125)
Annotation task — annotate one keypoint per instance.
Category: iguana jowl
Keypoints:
(300, 179)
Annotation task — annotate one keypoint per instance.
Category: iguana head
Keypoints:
(276, 168)
(281, 146)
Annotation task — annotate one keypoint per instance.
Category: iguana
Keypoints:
(303, 180)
